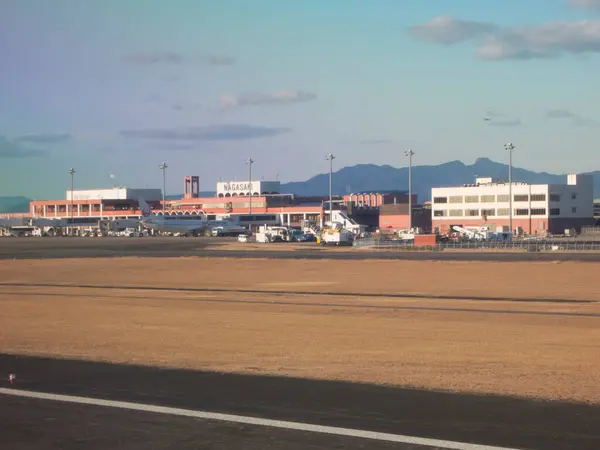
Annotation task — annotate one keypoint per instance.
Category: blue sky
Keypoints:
(113, 88)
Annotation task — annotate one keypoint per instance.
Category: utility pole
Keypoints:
(163, 167)
(510, 147)
(250, 161)
(330, 157)
(410, 154)
(72, 173)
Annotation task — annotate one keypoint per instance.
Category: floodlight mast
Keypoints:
(410, 154)
(330, 157)
(509, 148)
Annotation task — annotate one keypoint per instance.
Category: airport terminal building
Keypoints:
(537, 208)
(249, 203)
(258, 202)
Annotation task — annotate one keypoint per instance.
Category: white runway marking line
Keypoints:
(297, 426)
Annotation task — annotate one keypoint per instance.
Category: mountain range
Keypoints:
(14, 204)
(373, 178)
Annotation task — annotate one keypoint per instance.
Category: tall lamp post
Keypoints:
(163, 167)
(509, 148)
(410, 154)
(330, 157)
(72, 173)
(250, 161)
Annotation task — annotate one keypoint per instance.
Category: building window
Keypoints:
(488, 212)
(503, 198)
(471, 198)
(521, 198)
(456, 199)
(503, 211)
(555, 211)
(554, 198)
(573, 196)
(521, 212)
(439, 213)
(573, 209)
(538, 212)
(488, 199)
(440, 199)
(538, 197)
(472, 212)
(455, 212)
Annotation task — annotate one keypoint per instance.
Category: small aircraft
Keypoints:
(190, 225)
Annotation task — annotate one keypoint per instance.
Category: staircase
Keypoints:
(311, 227)
(347, 222)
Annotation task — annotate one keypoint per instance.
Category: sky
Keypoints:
(113, 88)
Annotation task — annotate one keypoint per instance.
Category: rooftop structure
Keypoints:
(115, 193)
(376, 199)
(243, 188)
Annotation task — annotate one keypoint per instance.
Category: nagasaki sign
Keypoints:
(236, 187)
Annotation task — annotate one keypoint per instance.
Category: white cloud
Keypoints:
(575, 119)
(45, 138)
(448, 31)
(11, 149)
(376, 141)
(268, 98)
(170, 57)
(587, 4)
(149, 58)
(230, 132)
(549, 40)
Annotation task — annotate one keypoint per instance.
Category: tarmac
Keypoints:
(453, 418)
(74, 247)
(486, 420)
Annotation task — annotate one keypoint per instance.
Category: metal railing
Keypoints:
(590, 231)
(562, 245)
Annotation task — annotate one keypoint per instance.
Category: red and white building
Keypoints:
(232, 199)
(537, 208)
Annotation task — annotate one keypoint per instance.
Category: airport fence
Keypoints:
(561, 245)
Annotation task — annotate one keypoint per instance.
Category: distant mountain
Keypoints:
(373, 178)
(14, 204)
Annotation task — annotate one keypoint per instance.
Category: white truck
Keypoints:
(336, 236)
(267, 234)
(133, 232)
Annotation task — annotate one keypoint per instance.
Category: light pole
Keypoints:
(72, 173)
(510, 147)
(163, 167)
(410, 154)
(250, 161)
(330, 157)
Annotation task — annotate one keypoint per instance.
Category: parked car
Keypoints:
(243, 238)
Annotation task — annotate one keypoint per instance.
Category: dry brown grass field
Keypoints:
(484, 336)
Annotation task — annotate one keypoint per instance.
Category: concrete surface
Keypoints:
(67, 247)
(490, 420)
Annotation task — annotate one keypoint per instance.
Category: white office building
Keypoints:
(115, 193)
(536, 208)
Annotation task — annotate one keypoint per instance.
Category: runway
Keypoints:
(486, 420)
(65, 247)
(93, 427)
